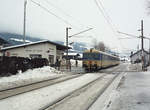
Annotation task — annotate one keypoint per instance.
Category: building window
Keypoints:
(35, 56)
(51, 59)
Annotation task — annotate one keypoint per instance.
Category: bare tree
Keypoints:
(101, 46)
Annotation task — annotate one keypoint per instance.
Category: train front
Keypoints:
(91, 60)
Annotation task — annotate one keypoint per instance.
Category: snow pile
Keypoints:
(28, 77)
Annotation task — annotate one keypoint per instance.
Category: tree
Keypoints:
(101, 46)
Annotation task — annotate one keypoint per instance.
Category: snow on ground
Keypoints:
(105, 98)
(29, 76)
(133, 93)
(42, 97)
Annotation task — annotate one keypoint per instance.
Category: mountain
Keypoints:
(3, 42)
(77, 47)
(16, 39)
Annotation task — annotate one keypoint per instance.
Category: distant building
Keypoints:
(41, 49)
(136, 57)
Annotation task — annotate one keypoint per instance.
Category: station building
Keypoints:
(136, 57)
(41, 49)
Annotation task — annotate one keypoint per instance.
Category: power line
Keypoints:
(97, 4)
(65, 21)
(106, 16)
(62, 11)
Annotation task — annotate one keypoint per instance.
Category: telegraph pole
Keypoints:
(67, 46)
(67, 37)
(24, 22)
(142, 47)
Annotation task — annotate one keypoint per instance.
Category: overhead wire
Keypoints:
(108, 19)
(64, 13)
(47, 10)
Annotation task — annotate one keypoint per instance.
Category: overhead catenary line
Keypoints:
(64, 13)
(47, 10)
(106, 17)
(100, 9)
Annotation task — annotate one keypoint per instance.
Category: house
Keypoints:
(41, 49)
(136, 57)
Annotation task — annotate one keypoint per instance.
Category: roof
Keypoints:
(58, 46)
(138, 52)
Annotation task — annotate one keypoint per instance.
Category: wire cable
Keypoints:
(65, 21)
(106, 17)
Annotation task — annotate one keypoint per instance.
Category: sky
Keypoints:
(121, 15)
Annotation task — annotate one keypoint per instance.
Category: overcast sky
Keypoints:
(125, 15)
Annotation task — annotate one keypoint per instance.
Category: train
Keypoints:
(94, 60)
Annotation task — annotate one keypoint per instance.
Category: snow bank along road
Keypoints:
(84, 89)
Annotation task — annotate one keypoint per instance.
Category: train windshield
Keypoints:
(91, 56)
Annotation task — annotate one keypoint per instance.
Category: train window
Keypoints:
(91, 56)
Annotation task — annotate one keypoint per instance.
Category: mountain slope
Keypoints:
(16, 39)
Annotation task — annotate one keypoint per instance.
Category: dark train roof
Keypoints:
(138, 52)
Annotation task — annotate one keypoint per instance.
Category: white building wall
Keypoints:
(45, 49)
(51, 50)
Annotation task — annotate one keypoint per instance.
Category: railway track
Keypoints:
(33, 86)
(71, 100)
(56, 102)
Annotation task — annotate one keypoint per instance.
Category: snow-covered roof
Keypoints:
(58, 46)
(139, 52)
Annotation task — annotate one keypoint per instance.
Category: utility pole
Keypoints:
(67, 36)
(142, 47)
(67, 46)
(24, 22)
